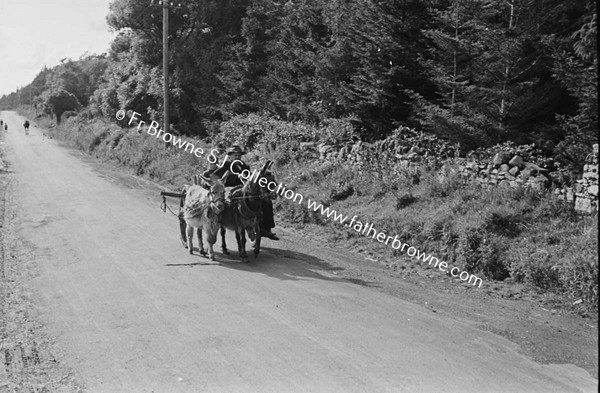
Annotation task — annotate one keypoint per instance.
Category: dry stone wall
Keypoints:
(404, 147)
(584, 196)
(507, 170)
(508, 167)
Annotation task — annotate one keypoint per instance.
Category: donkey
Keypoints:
(202, 209)
(244, 214)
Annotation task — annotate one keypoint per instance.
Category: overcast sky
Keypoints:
(34, 33)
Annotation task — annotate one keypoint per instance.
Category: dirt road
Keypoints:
(132, 311)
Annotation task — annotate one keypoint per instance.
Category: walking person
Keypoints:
(26, 126)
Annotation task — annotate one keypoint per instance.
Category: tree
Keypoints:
(245, 61)
(59, 101)
(310, 60)
(128, 83)
(492, 70)
(199, 34)
(577, 70)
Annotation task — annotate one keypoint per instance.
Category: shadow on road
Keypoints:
(279, 264)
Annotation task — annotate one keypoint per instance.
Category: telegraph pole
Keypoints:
(165, 6)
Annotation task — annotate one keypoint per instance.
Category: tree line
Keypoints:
(475, 72)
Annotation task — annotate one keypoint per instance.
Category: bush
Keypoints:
(446, 182)
(97, 139)
(405, 200)
(478, 252)
(578, 272)
(536, 268)
(470, 249)
(337, 132)
(280, 140)
(503, 221)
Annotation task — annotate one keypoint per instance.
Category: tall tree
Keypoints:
(492, 69)
(58, 101)
(576, 67)
(310, 60)
(198, 34)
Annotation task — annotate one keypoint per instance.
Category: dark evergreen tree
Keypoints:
(492, 68)
(576, 67)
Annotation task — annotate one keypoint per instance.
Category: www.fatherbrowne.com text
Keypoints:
(280, 189)
(364, 229)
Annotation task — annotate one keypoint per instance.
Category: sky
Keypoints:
(38, 33)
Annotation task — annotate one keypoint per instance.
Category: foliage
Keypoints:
(491, 65)
(280, 140)
(474, 72)
(59, 101)
(578, 72)
(127, 83)
(579, 273)
(310, 61)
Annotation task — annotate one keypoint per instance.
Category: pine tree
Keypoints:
(576, 67)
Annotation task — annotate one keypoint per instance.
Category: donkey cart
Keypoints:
(204, 207)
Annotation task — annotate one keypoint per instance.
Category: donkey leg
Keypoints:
(243, 245)
(211, 238)
(201, 247)
(257, 241)
(182, 230)
(238, 241)
(190, 236)
(223, 244)
(241, 250)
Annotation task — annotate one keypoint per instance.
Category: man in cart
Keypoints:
(234, 164)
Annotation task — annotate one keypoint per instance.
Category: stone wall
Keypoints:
(584, 196)
(404, 146)
(507, 170)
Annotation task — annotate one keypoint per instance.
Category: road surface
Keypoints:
(132, 311)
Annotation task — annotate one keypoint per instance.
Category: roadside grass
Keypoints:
(523, 235)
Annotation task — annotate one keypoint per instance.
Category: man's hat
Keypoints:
(235, 149)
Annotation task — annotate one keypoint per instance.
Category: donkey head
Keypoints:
(269, 176)
(253, 192)
(216, 191)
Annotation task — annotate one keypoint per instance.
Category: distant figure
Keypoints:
(26, 125)
(1, 123)
(6, 127)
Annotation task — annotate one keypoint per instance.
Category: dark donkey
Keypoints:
(245, 213)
